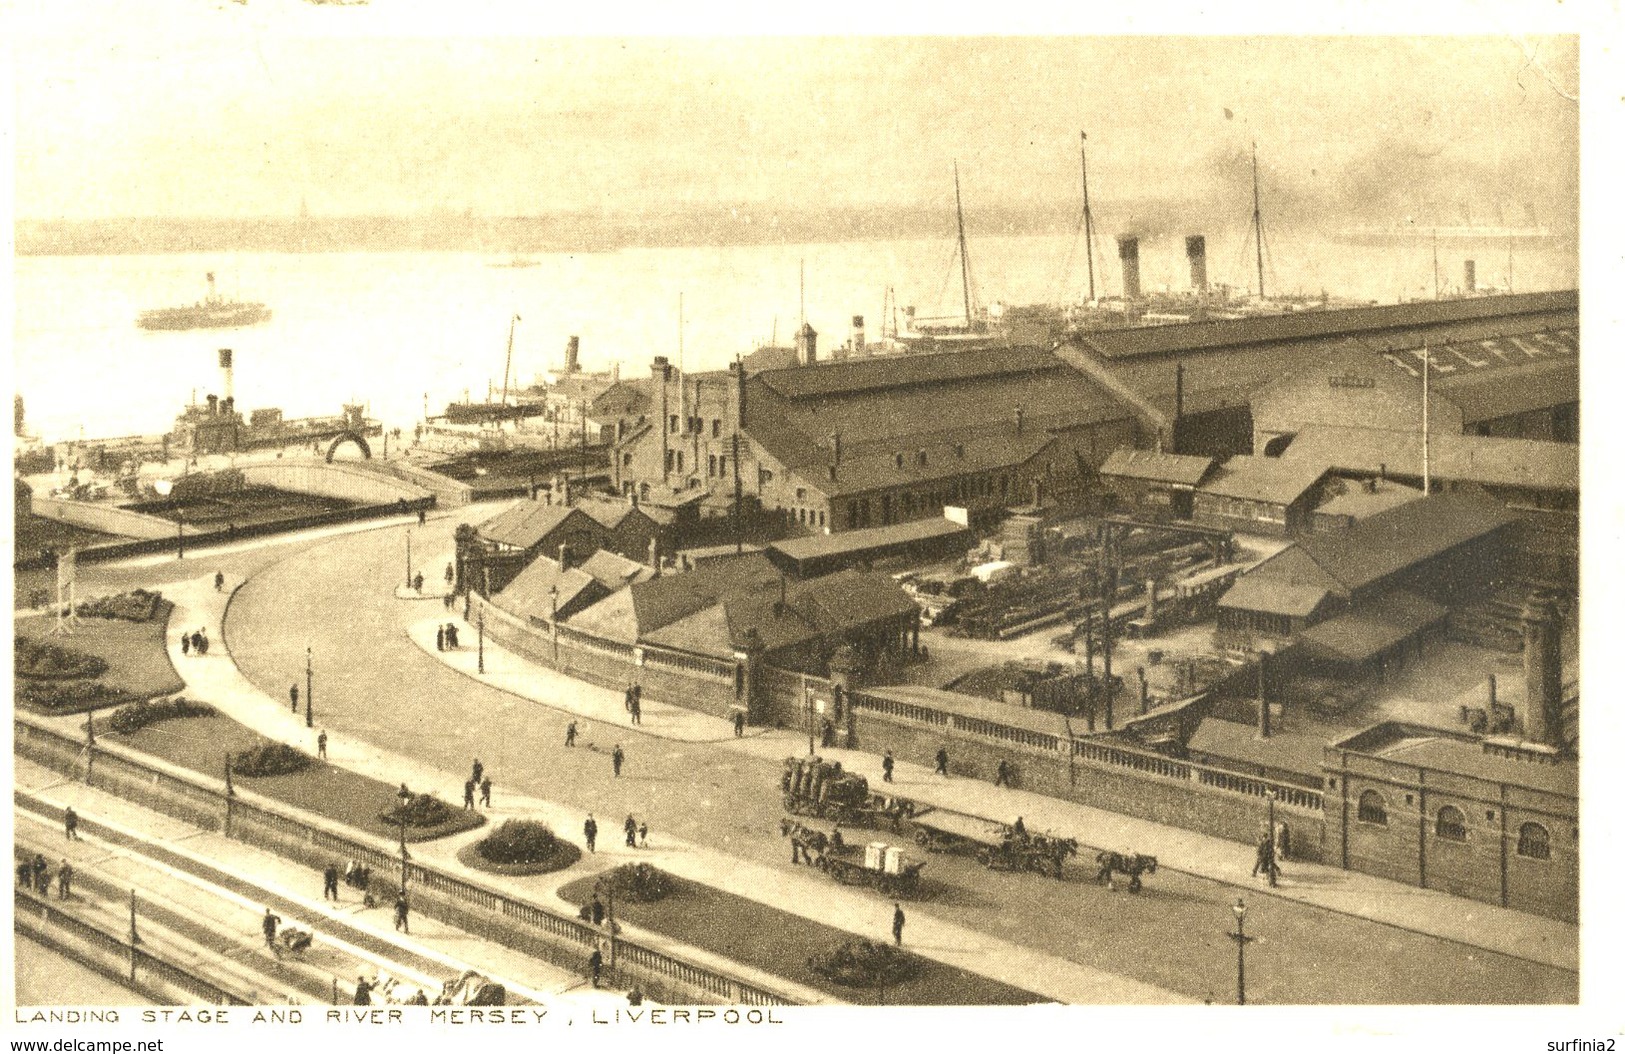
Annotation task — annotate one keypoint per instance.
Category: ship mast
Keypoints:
(507, 366)
(964, 259)
(1258, 225)
(1088, 221)
(1435, 263)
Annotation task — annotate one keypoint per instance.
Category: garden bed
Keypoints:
(135, 654)
(518, 848)
(202, 744)
(781, 944)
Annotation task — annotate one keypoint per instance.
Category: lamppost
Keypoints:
(482, 638)
(310, 720)
(406, 799)
(1242, 940)
(1275, 845)
(553, 595)
(180, 535)
(409, 558)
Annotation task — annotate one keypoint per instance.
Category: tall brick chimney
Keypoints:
(1542, 671)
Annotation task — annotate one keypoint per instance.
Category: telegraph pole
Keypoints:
(310, 720)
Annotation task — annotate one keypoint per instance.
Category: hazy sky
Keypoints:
(249, 122)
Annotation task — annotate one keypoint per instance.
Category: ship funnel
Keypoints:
(1128, 252)
(572, 355)
(806, 345)
(857, 335)
(1469, 275)
(225, 374)
(1196, 253)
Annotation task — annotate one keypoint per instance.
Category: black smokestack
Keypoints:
(1128, 252)
(572, 355)
(1469, 275)
(1196, 252)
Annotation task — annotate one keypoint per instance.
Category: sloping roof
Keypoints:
(1362, 498)
(1487, 460)
(611, 512)
(872, 374)
(705, 632)
(852, 542)
(530, 594)
(1371, 628)
(1392, 541)
(1184, 469)
(525, 524)
(1514, 389)
(1240, 742)
(1267, 479)
(1446, 752)
(613, 570)
(1257, 592)
(874, 469)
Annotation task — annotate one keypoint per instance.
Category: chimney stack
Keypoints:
(660, 369)
(214, 405)
(1128, 252)
(225, 374)
(1469, 275)
(1021, 417)
(857, 336)
(572, 355)
(564, 558)
(1543, 671)
(806, 344)
(1196, 253)
(654, 555)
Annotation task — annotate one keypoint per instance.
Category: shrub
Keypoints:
(135, 716)
(70, 695)
(138, 605)
(424, 810)
(269, 759)
(42, 660)
(863, 963)
(636, 882)
(520, 842)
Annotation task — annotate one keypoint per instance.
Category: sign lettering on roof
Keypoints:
(1351, 380)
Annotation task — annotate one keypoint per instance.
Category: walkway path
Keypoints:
(1514, 933)
(215, 679)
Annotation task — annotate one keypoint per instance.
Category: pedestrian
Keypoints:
(637, 697)
(42, 878)
(321, 744)
(637, 710)
(219, 581)
(449, 600)
(634, 997)
(595, 966)
(468, 794)
(643, 834)
(70, 824)
(589, 830)
(626, 699)
(451, 574)
(197, 642)
(631, 832)
(485, 792)
(616, 759)
(1003, 778)
(597, 909)
(401, 910)
(268, 926)
(887, 763)
(570, 735)
(479, 770)
(1020, 829)
(203, 640)
(363, 992)
(739, 724)
(828, 738)
(64, 880)
(942, 761)
(1265, 860)
(186, 644)
(423, 518)
(417, 583)
(897, 920)
(451, 636)
(293, 697)
(440, 638)
(330, 883)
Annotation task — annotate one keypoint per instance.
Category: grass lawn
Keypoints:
(137, 661)
(201, 744)
(780, 943)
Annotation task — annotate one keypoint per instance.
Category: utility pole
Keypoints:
(1242, 940)
(739, 498)
(310, 720)
(409, 558)
(1427, 467)
(1258, 225)
(1088, 220)
(180, 535)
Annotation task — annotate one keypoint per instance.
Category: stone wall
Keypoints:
(331, 481)
(109, 519)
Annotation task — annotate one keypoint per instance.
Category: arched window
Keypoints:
(1534, 841)
(1373, 809)
(1452, 824)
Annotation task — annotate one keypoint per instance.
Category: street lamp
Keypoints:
(180, 535)
(1242, 940)
(482, 638)
(406, 799)
(409, 558)
(310, 720)
(553, 595)
(1275, 846)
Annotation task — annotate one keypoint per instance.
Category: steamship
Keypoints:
(212, 312)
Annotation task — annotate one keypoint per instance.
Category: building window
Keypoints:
(820, 517)
(1452, 824)
(673, 427)
(679, 461)
(722, 465)
(668, 460)
(711, 465)
(801, 493)
(716, 428)
(626, 459)
(1534, 842)
(1373, 809)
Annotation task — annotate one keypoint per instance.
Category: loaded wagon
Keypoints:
(876, 864)
(997, 846)
(814, 787)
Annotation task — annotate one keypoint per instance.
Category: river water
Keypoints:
(389, 328)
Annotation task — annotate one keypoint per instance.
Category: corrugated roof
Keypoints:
(1235, 741)
(1371, 628)
(1487, 460)
(1400, 538)
(873, 374)
(850, 542)
(1185, 469)
(1267, 479)
(1514, 389)
(1199, 336)
(1275, 596)
(526, 524)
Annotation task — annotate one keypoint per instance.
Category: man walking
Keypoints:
(887, 763)
(219, 582)
(478, 771)
(637, 708)
(186, 644)
(268, 926)
(589, 831)
(570, 735)
(897, 920)
(596, 910)
(468, 794)
(1265, 860)
(64, 880)
(643, 834)
(293, 697)
(1003, 778)
(70, 824)
(616, 759)
(485, 792)
(739, 724)
(401, 910)
(440, 638)
(631, 828)
(595, 966)
(330, 883)
(942, 761)
(321, 744)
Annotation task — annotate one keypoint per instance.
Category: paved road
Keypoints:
(374, 684)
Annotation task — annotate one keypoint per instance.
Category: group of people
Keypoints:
(1265, 860)
(196, 642)
(636, 833)
(634, 703)
(36, 874)
(478, 780)
(445, 637)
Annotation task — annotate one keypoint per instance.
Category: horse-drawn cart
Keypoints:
(876, 864)
(997, 846)
(814, 787)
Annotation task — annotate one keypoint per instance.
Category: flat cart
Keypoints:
(876, 864)
(996, 846)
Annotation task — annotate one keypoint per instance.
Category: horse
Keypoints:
(807, 844)
(1054, 850)
(1131, 864)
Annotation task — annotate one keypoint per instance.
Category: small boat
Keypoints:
(212, 312)
(517, 261)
